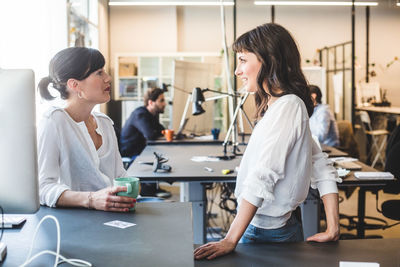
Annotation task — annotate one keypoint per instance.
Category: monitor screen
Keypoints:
(18, 152)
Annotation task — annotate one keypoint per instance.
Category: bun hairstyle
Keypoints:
(70, 63)
(280, 69)
(315, 90)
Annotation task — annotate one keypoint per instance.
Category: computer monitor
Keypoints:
(19, 191)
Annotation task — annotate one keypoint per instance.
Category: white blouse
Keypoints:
(280, 163)
(68, 159)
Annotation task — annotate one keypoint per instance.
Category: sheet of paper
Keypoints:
(119, 224)
(358, 264)
(204, 158)
(343, 159)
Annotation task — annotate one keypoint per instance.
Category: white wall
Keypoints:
(194, 29)
(142, 29)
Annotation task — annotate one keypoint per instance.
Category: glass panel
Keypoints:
(168, 65)
(149, 82)
(149, 66)
(83, 21)
(128, 87)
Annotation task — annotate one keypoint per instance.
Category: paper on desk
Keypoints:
(342, 172)
(343, 159)
(358, 264)
(204, 158)
(119, 224)
(203, 137)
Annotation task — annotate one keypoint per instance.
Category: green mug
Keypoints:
(132, 186)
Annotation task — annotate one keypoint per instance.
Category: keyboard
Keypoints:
(374, 175)
(11, 221)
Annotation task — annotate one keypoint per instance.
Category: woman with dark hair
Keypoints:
(77, 147)
(281, 160)
(322, 123)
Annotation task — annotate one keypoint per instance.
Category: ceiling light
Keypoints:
(169, 3)
(313, 3)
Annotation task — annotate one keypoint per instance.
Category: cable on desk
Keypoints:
(74, 262)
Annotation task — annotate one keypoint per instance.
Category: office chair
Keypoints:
(375, 135)
(347, 141)
(390, 208)
(349, 145)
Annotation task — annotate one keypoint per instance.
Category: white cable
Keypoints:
(227, 69)
(74, 262)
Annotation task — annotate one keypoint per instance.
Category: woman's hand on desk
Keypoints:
(105, 199)
(214, 249)
(325, 236)
(331, 205)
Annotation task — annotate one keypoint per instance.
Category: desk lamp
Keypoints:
(197, 98)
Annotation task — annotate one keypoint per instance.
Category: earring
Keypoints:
(79, 94)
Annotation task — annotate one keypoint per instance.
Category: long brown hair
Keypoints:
(280, 64)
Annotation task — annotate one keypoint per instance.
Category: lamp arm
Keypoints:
(216, 97)
(185, 112)
(219, 92)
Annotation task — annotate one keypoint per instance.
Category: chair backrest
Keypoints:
(392, 161)
(364, 117)
(394, 138)
(346, 138)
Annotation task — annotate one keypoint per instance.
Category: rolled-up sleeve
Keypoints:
(49, 166)
(324, 175)
(279, 136)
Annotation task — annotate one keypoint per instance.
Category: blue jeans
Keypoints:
(291, 232)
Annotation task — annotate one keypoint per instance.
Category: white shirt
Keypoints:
(280, 163)
(323, 125)
(68, 159)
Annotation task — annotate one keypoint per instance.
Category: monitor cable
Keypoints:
(74, 262)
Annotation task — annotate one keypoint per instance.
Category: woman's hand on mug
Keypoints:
(105, 199)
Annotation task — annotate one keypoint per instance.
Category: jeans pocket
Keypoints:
(288, 233)
(250, 235)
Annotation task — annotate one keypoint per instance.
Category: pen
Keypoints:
(208, 169)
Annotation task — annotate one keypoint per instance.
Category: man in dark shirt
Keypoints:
(143, 124)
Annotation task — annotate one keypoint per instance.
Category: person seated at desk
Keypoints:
(78, 153)
(144, 124)
(281, 160)
(322, 122)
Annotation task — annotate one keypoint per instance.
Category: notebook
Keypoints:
(348, 165)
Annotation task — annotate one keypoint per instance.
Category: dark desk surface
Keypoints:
(333, 152)
(162, 236)
(383, 251)
(193, 141)
(183, 168)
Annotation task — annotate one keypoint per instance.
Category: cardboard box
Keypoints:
(127, 69)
